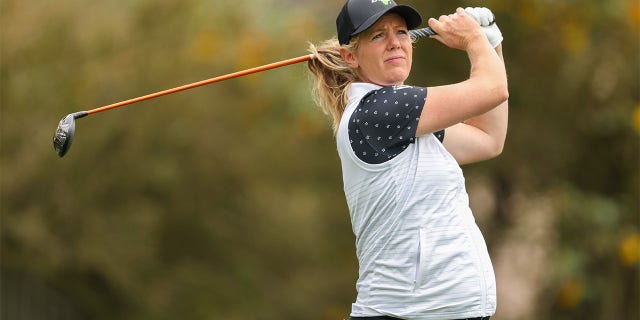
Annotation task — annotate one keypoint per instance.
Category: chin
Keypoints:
(396, 81)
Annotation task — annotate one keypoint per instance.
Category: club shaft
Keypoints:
(418, 33)
(204, 82)
(424, 32)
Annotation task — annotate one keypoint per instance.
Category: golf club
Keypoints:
(66, 128)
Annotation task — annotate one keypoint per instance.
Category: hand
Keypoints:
(487, 21)
(458, 30)
(484, 16)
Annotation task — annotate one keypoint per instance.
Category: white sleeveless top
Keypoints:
(420, 252)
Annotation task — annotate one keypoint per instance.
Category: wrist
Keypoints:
(478, 44)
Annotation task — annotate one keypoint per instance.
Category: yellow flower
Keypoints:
(629, 251)
(633, 13)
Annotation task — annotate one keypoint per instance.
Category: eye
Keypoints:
(376, 36)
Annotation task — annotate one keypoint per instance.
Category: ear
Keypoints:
(349, 57)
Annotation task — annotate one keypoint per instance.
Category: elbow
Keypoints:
(501, 93)
(493, 152)
(504, 94)
(497, 93)
(495, 143)
(498, 146)
(497, 150)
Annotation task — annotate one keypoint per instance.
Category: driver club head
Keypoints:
(64, 133)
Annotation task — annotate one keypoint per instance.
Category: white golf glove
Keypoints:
(486, 19)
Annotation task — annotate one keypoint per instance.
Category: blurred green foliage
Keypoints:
(225, 202)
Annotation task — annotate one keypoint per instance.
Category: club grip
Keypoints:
(424, 32)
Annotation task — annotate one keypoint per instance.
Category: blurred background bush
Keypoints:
(225, 202)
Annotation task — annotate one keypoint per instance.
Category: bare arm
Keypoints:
(481, 137)
(486, 89)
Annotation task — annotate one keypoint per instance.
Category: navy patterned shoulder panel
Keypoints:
(385, 122)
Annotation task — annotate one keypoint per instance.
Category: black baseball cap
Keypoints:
(358, 15)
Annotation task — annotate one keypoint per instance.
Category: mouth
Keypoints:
(394, 59)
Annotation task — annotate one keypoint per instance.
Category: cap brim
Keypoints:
(410, 15)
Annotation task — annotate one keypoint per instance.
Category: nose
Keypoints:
(394, 41)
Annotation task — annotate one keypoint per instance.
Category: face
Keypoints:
(384, 52)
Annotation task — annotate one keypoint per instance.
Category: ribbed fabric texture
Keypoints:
(420, 252)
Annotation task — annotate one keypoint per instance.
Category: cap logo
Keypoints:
(385, 2)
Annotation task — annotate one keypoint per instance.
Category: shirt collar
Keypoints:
(359, 89)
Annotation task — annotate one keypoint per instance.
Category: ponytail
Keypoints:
(332, 77)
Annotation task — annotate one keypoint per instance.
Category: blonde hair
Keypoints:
(332, 77)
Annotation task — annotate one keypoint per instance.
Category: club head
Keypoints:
(64, 133)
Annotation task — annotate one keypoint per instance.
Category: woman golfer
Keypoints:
(420, 252)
